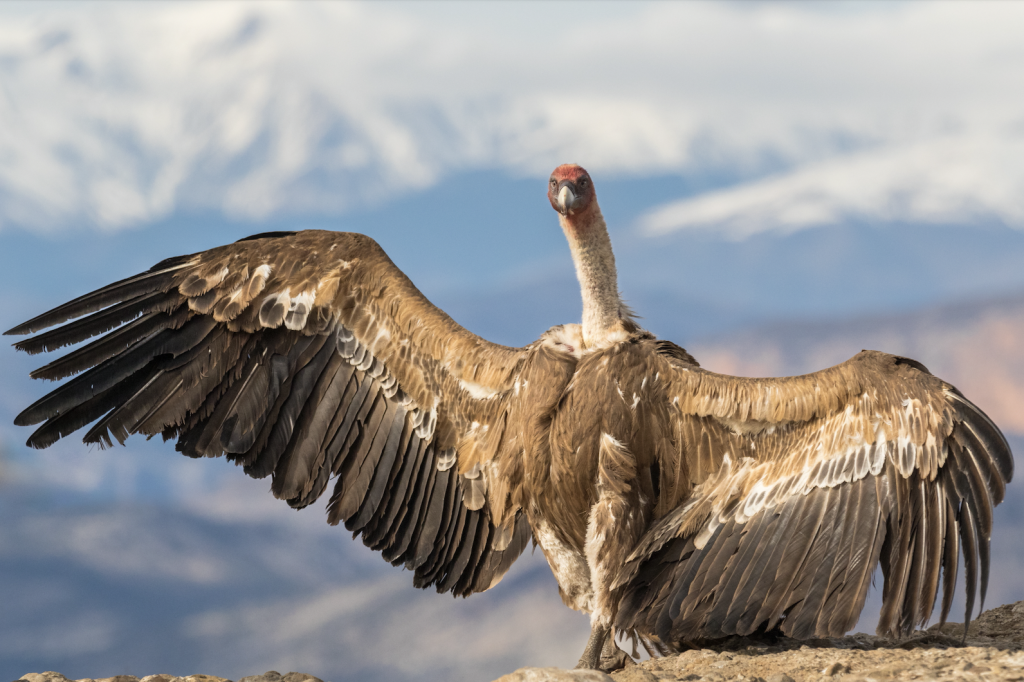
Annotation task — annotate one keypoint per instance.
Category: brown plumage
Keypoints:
(672, 503)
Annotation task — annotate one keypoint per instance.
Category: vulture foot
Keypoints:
(613, 658)
(602, 653)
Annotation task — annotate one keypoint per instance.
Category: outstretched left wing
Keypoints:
(305, 356)
(792, 490)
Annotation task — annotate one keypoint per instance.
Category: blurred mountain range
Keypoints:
(976, 346)
(101, 590)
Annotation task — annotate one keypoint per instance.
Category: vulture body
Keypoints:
(672, 503)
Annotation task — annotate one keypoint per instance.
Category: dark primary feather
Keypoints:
(950, 557)
(304, 455)
(158, 278)
(110, 345)
(383, 532)
(496, 562)
(759, 582)
(413, 517)
(432, 519)
(382, 473)
(88, 327)
(85, 413)
(376, 515)
(169, 340)
(361, 465)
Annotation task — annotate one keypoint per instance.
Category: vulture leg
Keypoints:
(617, 521)
(591, 657)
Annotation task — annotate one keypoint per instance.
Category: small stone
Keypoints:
(206, 678)
(48, 676)
(160, 678)
(780, 677)
(300, 677)
(635, 675)
(835, 669)
(118, 678)
(553, 675)
(269, 676)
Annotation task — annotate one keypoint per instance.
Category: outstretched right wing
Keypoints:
(305, 356)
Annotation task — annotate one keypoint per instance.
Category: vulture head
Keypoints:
(570, 190)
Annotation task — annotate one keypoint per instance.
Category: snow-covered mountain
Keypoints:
(785, 115)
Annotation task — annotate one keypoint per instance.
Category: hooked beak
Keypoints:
(566, 199)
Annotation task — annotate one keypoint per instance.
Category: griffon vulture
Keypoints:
(673, 504)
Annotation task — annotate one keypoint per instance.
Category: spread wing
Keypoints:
(793, 490)
(304, 356)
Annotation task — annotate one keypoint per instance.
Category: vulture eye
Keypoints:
(553, 182)
(582, 182)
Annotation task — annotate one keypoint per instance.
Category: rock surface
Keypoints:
(994, 650)
(555, 675)
(270, 676)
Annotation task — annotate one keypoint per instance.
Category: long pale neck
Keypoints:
(595, 268)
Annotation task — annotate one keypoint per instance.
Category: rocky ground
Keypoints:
(271, 676)
(994, 650)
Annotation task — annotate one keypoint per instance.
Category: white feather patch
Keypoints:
(748, 487)
(262, 271)
(479, 391)
(474, 493)
(274, 309)
(299, 309)
(425, 422)
(446, 460)
(366, 362)
(502, 539)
